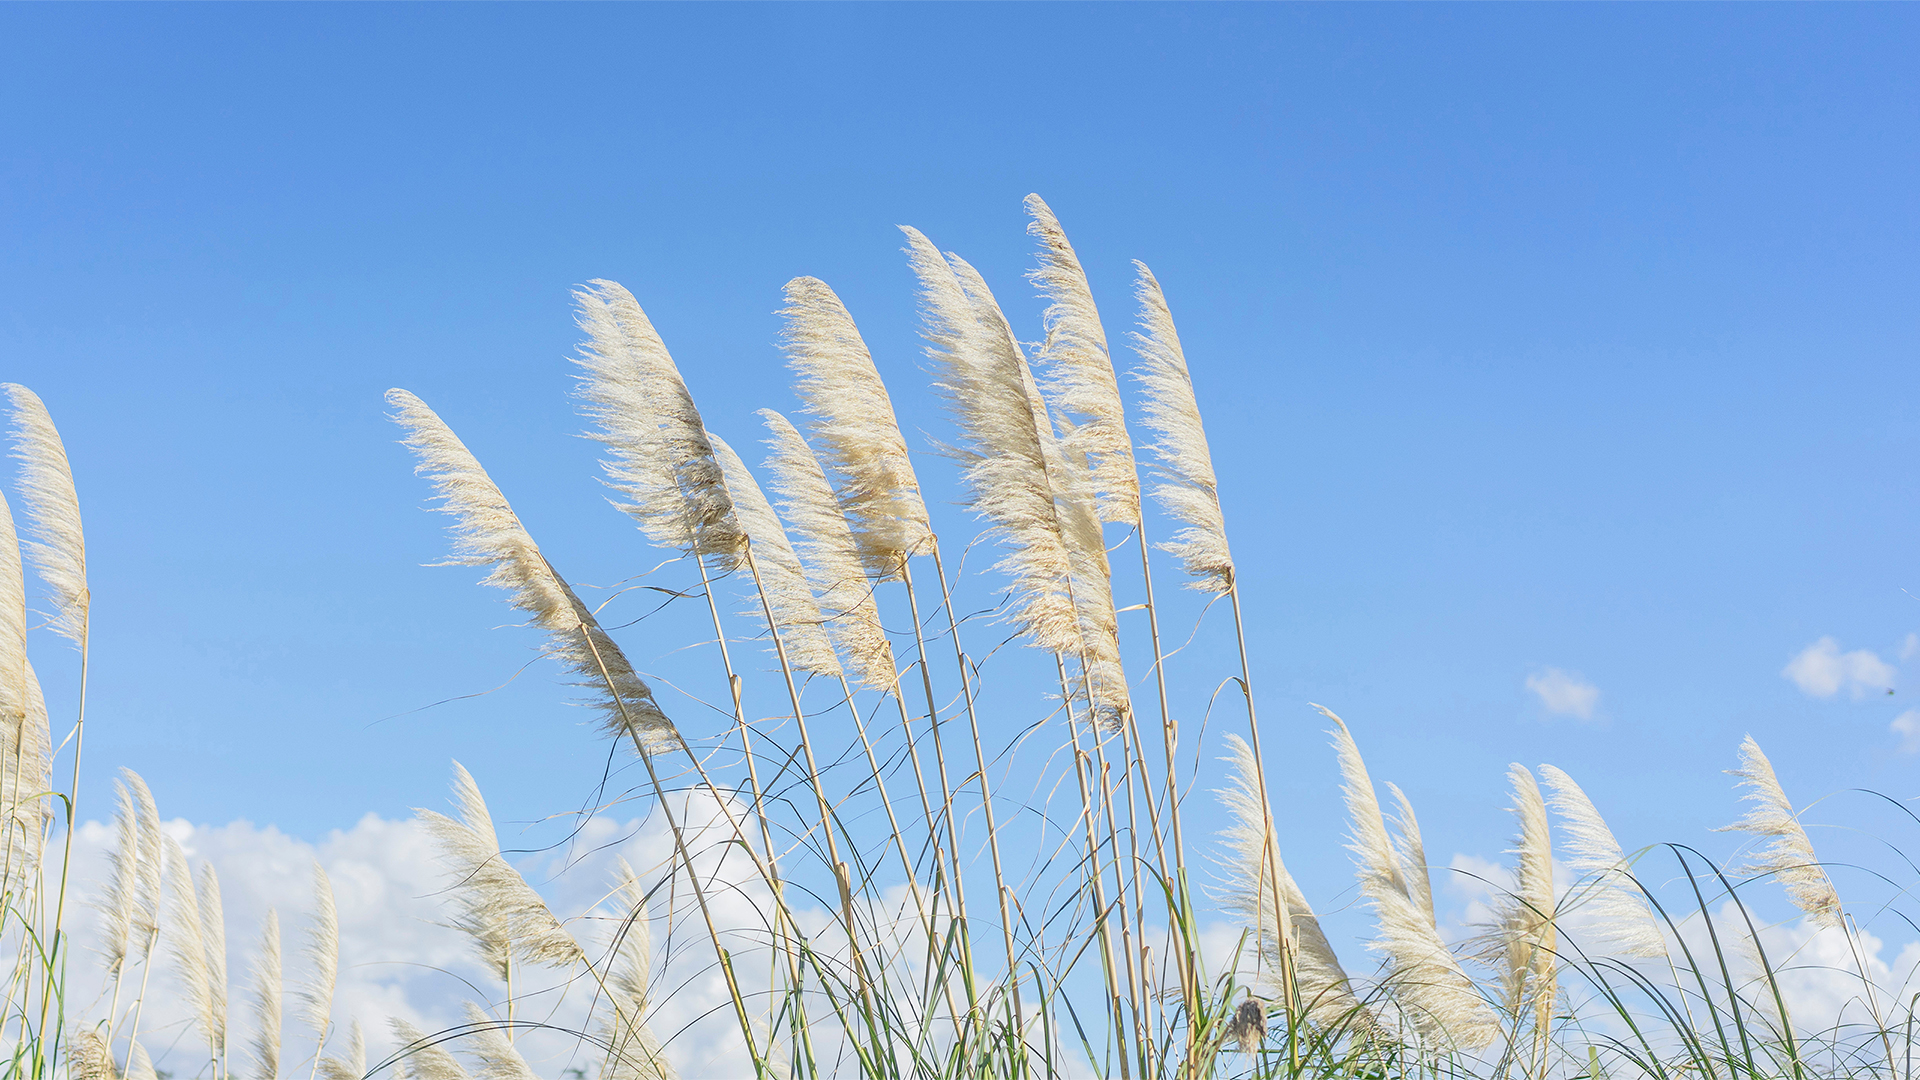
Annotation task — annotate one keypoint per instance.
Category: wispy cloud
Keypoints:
(1565, 693)
(1821, 670)
(1907, 726)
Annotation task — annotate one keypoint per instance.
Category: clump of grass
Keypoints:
(1079, 953)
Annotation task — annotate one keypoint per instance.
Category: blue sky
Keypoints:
(1529, 338)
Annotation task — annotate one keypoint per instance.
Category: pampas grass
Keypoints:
(323, 955)
(1620, 922)
(506, 918)
(487, 533)
(1260, 892)
(1785, 852)
(661, 460)
(858, 439)
(266, 999)
(57, 546)
(1190, 494)
(1425, 979)
(1081, 372)
(849, 981)
(782, 581)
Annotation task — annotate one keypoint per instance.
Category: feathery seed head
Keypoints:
(831, 555)
(1190, 494)
(487, 532)
(855, 432)
(1080, 370)
(266, 999)
(782, 582)
(58, 546)
(1618, 919)
(661, 462)
(1785, 851)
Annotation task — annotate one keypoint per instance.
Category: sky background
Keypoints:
(1530, 339)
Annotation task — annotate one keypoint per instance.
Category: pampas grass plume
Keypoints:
(487, 533)
(266, 999)
(1080, 370)
(323, 954)
(58, 546)
(1191, 494)
(1619, 921)
(1785, 851)
(855, 432)
(424, 1057)
(783, 582)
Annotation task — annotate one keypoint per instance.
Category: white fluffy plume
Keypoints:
(1524, 937)
(634, 1053)
(353, 1064)
(831, 555)
(983, 375)
(58, 546)
(424, 1056)
(1617, 919)
(498, 909)
(1785, 852)
(1190, 494)
(323, 954)
(783, 583)
(1412, 851)
(661, 459)
(1426, 980)
(189, 948)
(1080, 370)
(854, 429)
(22, 750)
(1276, 910)
(213, 935)
(488, 533)
(120, 897)
(490, 1045)
(266, 999)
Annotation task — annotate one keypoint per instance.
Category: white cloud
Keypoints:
(1910, 648)
(1822, 670)
(398, 958)
(1907, 726)
(1565, 693)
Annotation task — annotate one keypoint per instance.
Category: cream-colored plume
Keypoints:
(783, 584)
(213, 934)
(25, 745)
(490, 1045)
(502, 913)
(351, 1066)
(1080, 370)
(1785, 852)
(854, 429)
(1426, 980)
(323, 955)
(266, 1000)
(661, 459)
(58, 548)
(189, 948)
(147, 914)
(983, 375)
(120, 898)
(1616, 920)
(1190, 494)
(1269, 907)
(634, 1053)
(90, 1058)
(1524, 934)
(488, 533)
(831, 554)
(424, 1057)
(1412, 851)
(1066, 478)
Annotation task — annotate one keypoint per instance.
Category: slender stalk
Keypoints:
(986, 792)
(1096, 870)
